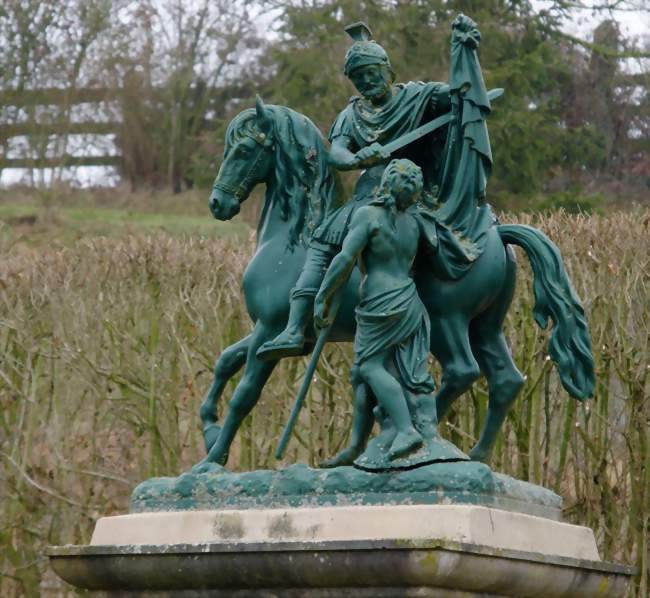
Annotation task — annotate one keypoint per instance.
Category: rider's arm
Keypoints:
(341, 267)
(341, 157)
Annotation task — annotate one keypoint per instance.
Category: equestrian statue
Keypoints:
(408, 272)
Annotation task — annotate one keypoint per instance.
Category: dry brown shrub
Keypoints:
(107, 348)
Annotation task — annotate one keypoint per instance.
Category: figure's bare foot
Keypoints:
(345, 457)
(286, 344)
(404, 443)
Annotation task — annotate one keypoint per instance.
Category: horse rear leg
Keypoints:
(229, 363)
(246, 394)
(504, 383)
(451, 347)
(493, 354)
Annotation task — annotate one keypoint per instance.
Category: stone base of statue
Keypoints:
(445, 529)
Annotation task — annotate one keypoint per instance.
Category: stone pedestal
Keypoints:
(393, 550)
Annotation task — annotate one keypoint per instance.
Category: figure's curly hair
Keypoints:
(392, 177)
(303, 182)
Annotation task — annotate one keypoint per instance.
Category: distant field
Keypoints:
(35, 225)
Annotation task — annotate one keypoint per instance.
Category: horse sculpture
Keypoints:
(285, 150)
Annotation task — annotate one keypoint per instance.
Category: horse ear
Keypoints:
(264, 118)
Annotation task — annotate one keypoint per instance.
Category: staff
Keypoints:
(300, 399)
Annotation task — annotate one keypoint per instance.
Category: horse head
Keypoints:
(284, 149)
(248, 160)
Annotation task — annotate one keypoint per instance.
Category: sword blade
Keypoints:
(415, 134)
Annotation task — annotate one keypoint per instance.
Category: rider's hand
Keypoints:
(372, 154)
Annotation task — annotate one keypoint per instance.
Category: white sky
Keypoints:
(633, 23)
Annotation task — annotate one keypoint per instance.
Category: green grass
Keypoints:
(68, 224)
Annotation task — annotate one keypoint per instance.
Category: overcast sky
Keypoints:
(634, 24)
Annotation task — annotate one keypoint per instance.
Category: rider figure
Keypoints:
(383, 113)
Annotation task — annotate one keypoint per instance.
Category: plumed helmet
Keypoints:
(364, 50)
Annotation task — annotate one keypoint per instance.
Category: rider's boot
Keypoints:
(291, 341)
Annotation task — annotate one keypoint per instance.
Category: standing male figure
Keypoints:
(383, 113)
(392, 339)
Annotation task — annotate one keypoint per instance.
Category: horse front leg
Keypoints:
(229, 363)
(246, 394)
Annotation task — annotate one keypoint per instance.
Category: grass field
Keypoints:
(111, 319)
(37, 221)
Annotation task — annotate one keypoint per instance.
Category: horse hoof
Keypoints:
(345, 457)
(207, 467)
(210, 434)
(479, 455)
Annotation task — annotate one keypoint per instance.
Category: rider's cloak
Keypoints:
(464, 217)
(411, 105)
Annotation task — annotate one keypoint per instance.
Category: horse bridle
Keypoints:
(242, 190)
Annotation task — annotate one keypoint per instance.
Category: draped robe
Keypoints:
(396, 321)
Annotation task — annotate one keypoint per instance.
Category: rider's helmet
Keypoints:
(364, 50)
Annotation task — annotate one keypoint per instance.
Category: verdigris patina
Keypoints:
(464, 275)
(466, 482)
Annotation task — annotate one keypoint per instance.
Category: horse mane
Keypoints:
(303, 183)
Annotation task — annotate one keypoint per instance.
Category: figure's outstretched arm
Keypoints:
(341, 267)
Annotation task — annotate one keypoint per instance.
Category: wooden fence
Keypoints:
(67, 98)
(63, 98)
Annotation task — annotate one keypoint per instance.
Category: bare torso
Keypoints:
(387, 258)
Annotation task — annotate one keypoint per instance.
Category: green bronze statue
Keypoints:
(413, 264)
(464, 270)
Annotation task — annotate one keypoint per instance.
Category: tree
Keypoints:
(170, 59)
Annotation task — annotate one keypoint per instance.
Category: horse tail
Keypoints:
(570, 345)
